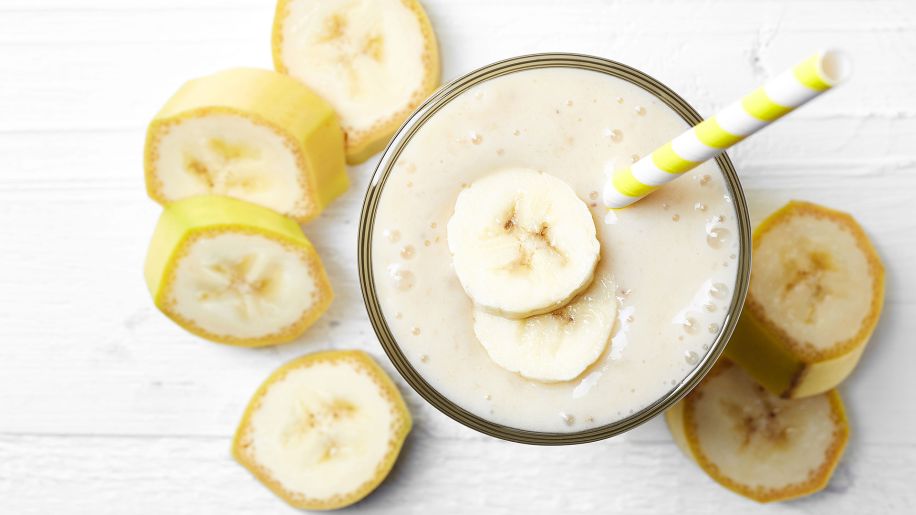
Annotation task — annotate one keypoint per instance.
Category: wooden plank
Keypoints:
(40, 475)
(835, 146)
(120, 65)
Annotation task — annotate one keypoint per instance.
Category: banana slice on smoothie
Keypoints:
(255, 135)
(756, 444)
(375, 61)
(522, 243)
(816, 292)
(234, 272)
(555, 346)
(324, 430)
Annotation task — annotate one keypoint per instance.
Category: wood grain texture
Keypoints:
(108, 408)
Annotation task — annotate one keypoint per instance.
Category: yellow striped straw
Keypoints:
(739, 120)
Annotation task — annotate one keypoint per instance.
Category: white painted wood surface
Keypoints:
(108, 408)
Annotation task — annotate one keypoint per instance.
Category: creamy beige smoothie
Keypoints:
(670, 260)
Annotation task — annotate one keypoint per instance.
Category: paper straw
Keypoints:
(739, 120)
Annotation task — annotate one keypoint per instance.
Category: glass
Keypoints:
(367, 219)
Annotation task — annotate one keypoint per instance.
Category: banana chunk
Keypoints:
(816, 292)
(324, 430)
(254, 135)
(756, 444)
(522, 243)
(555, 346)
(234, 272)
(375, 61)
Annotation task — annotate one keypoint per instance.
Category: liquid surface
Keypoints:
(673, 256)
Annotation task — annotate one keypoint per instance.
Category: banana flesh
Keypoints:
(555, 346)
(324, 430)
(756, 444)
(522, 243)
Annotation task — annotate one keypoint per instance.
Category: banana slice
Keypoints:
(255, 135)
(555, 346)
(817, 288)
(756, 444)
(324, 430)
(522, 243)
(234, 272)
(375, 61)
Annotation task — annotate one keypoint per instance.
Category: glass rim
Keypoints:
(367, 223)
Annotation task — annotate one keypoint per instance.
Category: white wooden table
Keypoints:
(108, 408)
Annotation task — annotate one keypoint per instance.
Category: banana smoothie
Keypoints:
(513, 291)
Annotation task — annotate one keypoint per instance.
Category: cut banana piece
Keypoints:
(555, 346)
(255, 135)
(234, 272)
(522, 243)
(756, 444)
(375, 61)
(324, 430)
(817, 288)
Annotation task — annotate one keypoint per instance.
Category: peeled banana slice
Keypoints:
(324, 430)
(522, 243)
(756, 444)
(555, 346)
(255, 135)
(817, 288)
(234, 272)
(375, 61)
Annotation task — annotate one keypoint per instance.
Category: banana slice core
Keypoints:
(522, 242)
